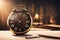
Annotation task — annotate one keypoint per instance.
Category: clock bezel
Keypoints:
(19, 32)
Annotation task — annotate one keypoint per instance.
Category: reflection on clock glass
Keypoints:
(19, 21)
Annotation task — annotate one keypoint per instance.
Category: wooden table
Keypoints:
(7, 35)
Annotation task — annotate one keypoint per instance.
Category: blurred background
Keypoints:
(45, 13)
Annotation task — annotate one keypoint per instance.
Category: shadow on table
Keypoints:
(27, 36)
(22, 35)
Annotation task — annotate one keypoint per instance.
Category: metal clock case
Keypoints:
(19, 21)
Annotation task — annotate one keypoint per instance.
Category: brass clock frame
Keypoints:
(19, 32)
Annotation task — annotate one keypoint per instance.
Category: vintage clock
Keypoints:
(19, 20)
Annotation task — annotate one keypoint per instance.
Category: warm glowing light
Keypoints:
(52, 20)
(0, 2)
(5, 7)
(36, 16)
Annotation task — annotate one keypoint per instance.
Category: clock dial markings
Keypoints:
(26, 25)
(19, 21)
(12, 25)
(15, 28)
(27, 21)
(19, 29)
(13, 17)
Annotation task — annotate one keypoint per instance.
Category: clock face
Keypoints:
(19, 22)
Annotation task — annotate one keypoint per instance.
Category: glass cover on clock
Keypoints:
(19, 21)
